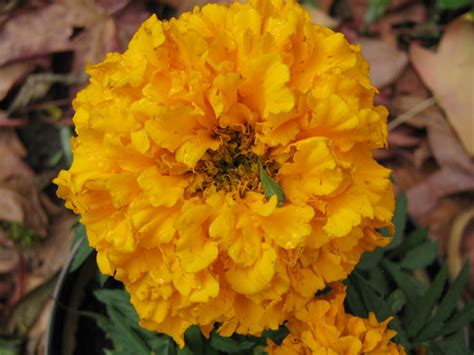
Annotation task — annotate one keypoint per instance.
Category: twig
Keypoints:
(418, 108)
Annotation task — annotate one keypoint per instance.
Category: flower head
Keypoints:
(323, 327)
(173, 138)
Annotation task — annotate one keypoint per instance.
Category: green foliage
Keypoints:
(375, 10)
(23, 236)
(121, 327)
(84, 249)
(388, 283)
(452, 4)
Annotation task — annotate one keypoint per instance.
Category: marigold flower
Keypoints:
(170, 138)
(323, 327)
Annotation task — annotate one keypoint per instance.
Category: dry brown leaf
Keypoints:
(386, 62)
(448, 73)
(321, 18)
(12, 153)
(37, 333)
(52, 29)
(445, 145)
(450, 180)
(403, 137)
(51, 254)
(11, 74)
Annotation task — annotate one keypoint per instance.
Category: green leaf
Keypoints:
(193, 340)
(65, 135)
(162, 345)
(454, 345)
(420, 256)
(118, 299)
(229, 345)
(446, 306)
(369, 260)
(399, 221)
(373, 302)
(412, 288)
(450, 301)
(84, 249)
(375, 10)
(134, 344)
(426, 304)
(354, 300)
(276, 335)
(452, 4)
(397, 300)
(414, 239)
(270, 187)
(461, 319)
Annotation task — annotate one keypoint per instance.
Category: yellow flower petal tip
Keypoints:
(166, 174)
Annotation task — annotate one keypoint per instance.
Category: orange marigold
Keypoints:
(173, 137)
(323, 327)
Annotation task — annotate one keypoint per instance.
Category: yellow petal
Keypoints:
(255, 278)
(161, 190)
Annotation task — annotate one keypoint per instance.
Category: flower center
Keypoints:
(232, 167)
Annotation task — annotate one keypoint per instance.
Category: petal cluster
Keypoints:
(170, 135)
(323, 327)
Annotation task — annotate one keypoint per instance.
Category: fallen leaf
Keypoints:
(9, 259)
(445, 145)
(386, 62)
(448, 73)
(11, 74)
(321, 18)
(66, 25)
(37, 333)
(128, 21)
(37, 86)
(35, 33)
(404, 137)
(12, 153)
(421, 154)
(27, 309)
(51, 253)
(447, 181)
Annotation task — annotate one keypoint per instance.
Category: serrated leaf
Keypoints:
(370, 260)
(426, 304)
(118, 299)
(83, 252)
(372, 301)
(446, 306)
(414, 239)
(420, 256)
(134, 344)
(461, 319)
(378, 281)
(229, 345)
(410, 286)
(354, 300)
(162, 345)
(270, 187)
(454, 345)
(399, 221)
